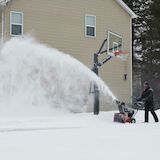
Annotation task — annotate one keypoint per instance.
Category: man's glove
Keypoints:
(138, 99)
(143, 100)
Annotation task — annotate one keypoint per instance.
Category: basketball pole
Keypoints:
(96, 90)
(98, 64)
(95, 68)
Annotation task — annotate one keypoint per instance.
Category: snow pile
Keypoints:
(36, 76)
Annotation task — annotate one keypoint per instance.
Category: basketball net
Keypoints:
(121, 54)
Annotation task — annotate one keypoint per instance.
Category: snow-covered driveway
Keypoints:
(78, 136)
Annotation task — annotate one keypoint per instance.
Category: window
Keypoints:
(90, 26)
(16, 23)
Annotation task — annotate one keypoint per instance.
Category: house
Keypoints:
(76, 27)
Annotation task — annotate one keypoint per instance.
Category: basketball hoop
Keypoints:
(115, 46)
(121, 54)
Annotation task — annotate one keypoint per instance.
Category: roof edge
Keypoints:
(120, 2)
(127, 9)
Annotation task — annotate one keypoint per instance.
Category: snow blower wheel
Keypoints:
(133, 120)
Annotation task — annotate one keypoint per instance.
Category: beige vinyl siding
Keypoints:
(61, 24)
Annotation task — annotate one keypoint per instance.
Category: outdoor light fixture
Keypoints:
(125, 76)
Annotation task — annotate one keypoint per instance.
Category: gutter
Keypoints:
(127, 9)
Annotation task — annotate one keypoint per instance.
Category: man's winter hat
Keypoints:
(146, 83)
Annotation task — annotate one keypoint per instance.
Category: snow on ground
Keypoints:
(80, 136)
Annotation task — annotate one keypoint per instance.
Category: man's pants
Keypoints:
(147, 109)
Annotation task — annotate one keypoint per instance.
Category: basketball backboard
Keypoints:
(114, 43)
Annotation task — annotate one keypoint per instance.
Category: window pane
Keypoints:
(16, 30)
(90, 31)
(90, 20)
(16, 18)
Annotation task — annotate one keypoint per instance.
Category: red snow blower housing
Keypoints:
(125, 115)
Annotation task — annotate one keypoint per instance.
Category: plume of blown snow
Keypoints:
(34, 75)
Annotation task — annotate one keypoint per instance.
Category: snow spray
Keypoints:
(34, 75)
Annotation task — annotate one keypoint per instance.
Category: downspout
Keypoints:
(2, 40)
(132, 51)
(3, 3)
(131, 56)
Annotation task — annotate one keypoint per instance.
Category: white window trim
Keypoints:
(15, 24)
(90, 26)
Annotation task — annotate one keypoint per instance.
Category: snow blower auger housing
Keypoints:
(125, 115)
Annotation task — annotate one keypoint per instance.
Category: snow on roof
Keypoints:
(126, 8)
(4, 2)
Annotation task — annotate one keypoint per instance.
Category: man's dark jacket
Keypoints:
(147, 96)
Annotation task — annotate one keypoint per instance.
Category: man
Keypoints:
(147, 96)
